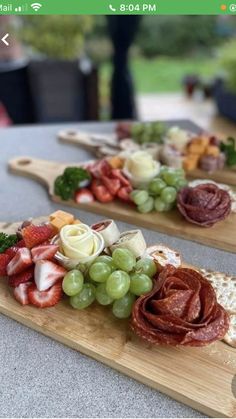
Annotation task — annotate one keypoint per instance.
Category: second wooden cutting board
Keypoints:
(221, 236)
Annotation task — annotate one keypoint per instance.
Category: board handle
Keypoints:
(42, 171)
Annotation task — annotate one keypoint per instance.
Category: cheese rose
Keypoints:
(79, 244)
(141, 168)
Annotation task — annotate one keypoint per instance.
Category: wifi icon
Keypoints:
(36, 6)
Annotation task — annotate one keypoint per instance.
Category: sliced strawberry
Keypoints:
(124, 194)
(21, 293)
(84, 196)
(47, 298)
(100, 192)
(4, 260)
(113, 185)
(100, 168)
(21, 278)
(35, 235)
(117, 174)
(47, 273)
(44, 252)
(14, 249)
(20, 262)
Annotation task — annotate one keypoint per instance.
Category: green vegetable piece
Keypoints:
(7, 241)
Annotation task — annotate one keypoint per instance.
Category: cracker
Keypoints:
(230, 337)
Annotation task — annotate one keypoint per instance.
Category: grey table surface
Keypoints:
(38, 376)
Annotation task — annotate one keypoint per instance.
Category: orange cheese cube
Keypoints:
(212, 150)
(62, 215)
(191, 162)
(77, 221)
(198, 145)
(116, 162)
(58, 223)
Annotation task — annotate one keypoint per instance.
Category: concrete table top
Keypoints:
(38, 376)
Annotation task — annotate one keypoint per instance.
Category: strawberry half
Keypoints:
(101, 192)
(44, 252)
(43, 299)
(124, 194)
(14, 249)
(21, 261)
(34, 235)
(47, 273)
(117, 174)
(113, 185)
(84, 196)
(21, 278)
(4, 260)
(21, 293)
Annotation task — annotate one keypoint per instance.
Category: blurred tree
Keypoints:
(59, 37)
(227, 56)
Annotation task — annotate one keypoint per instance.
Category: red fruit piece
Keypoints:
(84, 196)
(21, 293)
(100, 168)
(20, 262)
(14, 249)
(100, 192)
(44, 252)
(124, 194)
(21, 278)
(117, 174)
(47, 273)
(35, 235)
(47, 298)
(113, 185)
(4, 260)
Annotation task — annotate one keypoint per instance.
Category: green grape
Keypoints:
(169, 207)
(146, 266)
(136, 129)
(84, 298)
(180, 172)
(101, 295)
(139, 197)
(181, 183)
(124, 259)
(99, 271)
(170, 177)
(169, 194)
(106, 259)
(122, 308)
(163, 169)
(117, 284)
(156, 186)
(147, 206)
(140, 284)
(73, 282)
(159, 205)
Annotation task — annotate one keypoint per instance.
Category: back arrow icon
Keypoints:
(4, 39)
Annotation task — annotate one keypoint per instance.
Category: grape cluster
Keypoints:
(161, 192)
(115, 280)
(151, 132)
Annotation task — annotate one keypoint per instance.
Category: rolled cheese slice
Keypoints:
(163, 256)
(140, 168)
(108, 230)
(79, 244)
(132, 240)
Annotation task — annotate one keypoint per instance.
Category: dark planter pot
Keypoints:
(226, 101)
(61, 91)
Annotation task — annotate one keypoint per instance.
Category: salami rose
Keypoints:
(204, 204)
(181, 310)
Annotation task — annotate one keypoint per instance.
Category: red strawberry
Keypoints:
(21, 261)
(21, 278)
(100, 168)
(124, 194)
(117, 174)
(4, 260)
(84, 196)
(100, 192)
(44, 252)
(113, 185)
(21, 293)
(14, 249)
(35, 235)
(47, 298)
(47, 273)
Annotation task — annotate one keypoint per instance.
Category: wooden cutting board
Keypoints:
(199, 377)
(110, 146)
(221, 236)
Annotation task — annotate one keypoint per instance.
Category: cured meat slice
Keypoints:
(204, 204)
(181, 309)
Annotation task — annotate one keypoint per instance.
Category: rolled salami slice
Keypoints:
(163, 256)
(132, 240)
(108, 230)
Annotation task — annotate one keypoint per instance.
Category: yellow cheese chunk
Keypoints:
(77, 221)
(62, 215)
(213, 150)
(198, 145)
(191, 162)
(58, 223)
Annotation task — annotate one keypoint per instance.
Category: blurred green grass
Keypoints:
(162, 74)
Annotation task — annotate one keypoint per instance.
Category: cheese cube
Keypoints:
(62, 215)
